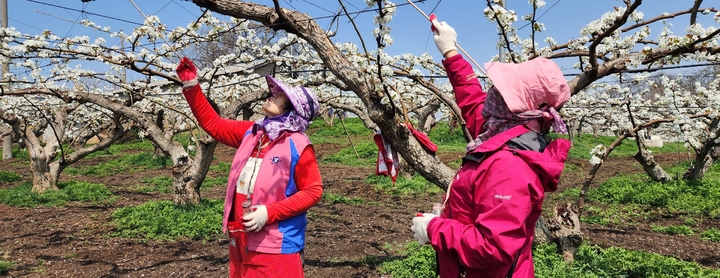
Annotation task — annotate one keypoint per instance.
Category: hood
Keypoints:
(548, 165)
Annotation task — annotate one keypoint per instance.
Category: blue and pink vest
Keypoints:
(275, 182)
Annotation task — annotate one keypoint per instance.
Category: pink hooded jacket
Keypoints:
(492, 206)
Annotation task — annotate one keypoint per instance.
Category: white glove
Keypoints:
(445, 36)
(255, 220)
(419, 226)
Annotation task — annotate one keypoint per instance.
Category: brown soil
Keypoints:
(74, 241)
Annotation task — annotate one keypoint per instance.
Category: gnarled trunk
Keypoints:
(700, 167)
(188, 174)
(7, 141)
(563, 229)
(651, 167)
(44, 175)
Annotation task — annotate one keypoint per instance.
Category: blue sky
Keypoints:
(563, 19)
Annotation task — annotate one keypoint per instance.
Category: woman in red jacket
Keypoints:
(274, 178)
(490, 209)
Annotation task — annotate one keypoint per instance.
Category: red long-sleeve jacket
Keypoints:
(493, 204)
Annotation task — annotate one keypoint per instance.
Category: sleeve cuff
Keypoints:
(190, 83)
(272, 215)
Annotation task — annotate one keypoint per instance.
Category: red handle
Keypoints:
(432, 27)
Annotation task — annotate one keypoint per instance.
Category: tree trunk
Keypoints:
(700, 167)
(595, 130)
(571, 129)
(44, 176)
(7, 146)
(563, 229)
(186, 187)
(651, 167)
(189, 174)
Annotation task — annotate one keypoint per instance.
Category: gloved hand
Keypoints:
(186, 70)
(419, 226)
(255, 220)
(444, 35)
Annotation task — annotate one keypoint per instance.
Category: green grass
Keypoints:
(415, 185)
(332, 199)
(590, 261)
(582, 146)
(698, 197)
(115, 149)
(22, 196)
(5, 266)
(367, 151)
(221, 167)
(125, 163)
(211, 182)
(8, 177)
(674, 230)
(18, 153)
(617, 214)
(711, 235)
(450, 141)
(322, 133)
(162, 220)
(415, 261)
(593, 261)
(162, 184)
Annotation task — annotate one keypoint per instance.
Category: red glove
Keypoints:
(186, 70)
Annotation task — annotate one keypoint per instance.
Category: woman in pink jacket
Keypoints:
(274, 178)
(490, 209)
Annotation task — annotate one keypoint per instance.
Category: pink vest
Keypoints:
(275, 182)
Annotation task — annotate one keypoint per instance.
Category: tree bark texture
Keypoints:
(564, 230)
(7, 141)
(651, 167)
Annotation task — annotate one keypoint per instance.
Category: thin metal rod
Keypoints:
(163, 34)
(456, 44)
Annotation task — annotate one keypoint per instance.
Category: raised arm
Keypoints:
(469, 95)
(226, 131)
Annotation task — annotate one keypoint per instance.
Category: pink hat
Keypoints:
(528, 85)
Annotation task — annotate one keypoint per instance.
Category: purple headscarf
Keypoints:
(288, 121)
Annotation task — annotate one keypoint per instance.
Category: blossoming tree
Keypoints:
(616, 43)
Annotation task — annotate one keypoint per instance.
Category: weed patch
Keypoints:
(674, 230)
(162, 184)
(127, 163)
(162, 220)
(367, 152)
(8, 177)
(340, 199)
(211, 182)
(322, 133)
(415, 261)
(590, 261)
(711, 235)
(5, 266)
(616, 214)
(678, 195)
(22, 195)
(402, 186)
(582, 146)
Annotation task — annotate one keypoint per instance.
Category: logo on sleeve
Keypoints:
(503, 197)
